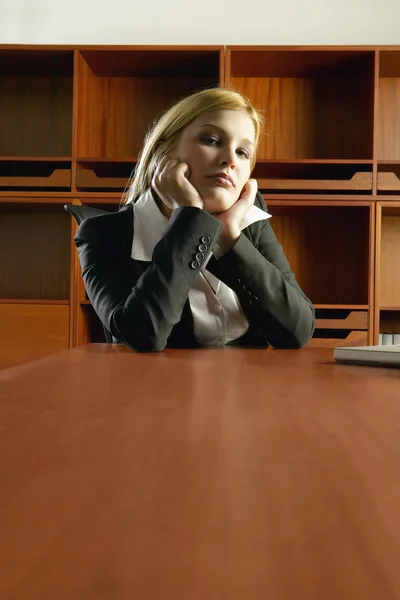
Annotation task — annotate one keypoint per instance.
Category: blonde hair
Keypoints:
(164, 134)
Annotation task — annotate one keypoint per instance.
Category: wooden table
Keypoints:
(199, 475)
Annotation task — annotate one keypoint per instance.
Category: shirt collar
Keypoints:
(149, 225)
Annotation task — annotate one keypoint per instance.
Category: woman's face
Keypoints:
(218, 147)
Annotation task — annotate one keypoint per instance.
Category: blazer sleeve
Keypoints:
(271, 298)
(142, 313)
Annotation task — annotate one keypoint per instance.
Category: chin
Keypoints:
(218, 202)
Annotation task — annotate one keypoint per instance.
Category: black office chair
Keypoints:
(80, 213)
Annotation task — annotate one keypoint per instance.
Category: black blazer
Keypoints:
(145, 304)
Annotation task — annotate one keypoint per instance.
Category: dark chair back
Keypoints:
(80, 213)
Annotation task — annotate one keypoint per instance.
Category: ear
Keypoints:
(157, 149)
(160, 150)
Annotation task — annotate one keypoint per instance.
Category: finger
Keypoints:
(160, 166)
(182, 169)
(252, 187)
(164, 166)
(167, 162)
(249, 191)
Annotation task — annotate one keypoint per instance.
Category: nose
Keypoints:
(228, 156)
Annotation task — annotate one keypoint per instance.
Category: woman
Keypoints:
(192, 260)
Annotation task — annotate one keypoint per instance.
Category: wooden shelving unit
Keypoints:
(73, 121)
(339, 282)
(387, 281)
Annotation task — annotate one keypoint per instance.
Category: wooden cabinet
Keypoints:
(36, 93)
(318, 104)
(387, 281)
(35, 245)
(388, 123)
(30, 330)
(129, 88)
(331, 147)
(73, 120)
(330, 249)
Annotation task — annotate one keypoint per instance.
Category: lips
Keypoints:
(222, 178)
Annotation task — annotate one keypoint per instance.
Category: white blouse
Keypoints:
(217, 314)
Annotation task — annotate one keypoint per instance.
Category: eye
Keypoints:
(243, 153)
(210, 140)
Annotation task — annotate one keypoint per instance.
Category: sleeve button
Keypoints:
(194, 264)
(206, 239)
(199, 256)
(202, 248)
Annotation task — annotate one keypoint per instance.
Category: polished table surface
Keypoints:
(216, 474)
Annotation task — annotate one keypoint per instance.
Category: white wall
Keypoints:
(200, 22)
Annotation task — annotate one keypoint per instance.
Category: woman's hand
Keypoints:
(171, 183)
(231, 218)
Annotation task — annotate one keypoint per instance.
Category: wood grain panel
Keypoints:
(354, 338)
(35, 247)
(103, 174)
(359, 181)
(259, 61)
(390, 260)
(114, 113)
(388, 181)
(344, 114)
(230, 475)
(59, 178)
(310, 241)
(354, 320)
(389, 321)
(389, 62)
(30, 331)
(35, 115)
(33, 61)
(288, 107)
(154, 61)
(324, 116)
(388, 127)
